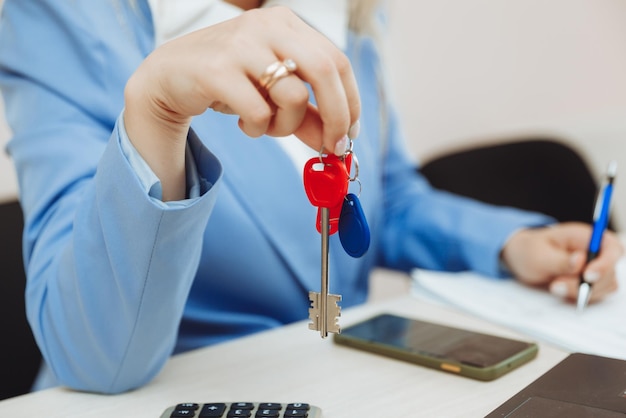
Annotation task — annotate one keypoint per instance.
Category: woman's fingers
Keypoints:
(333, 82)
(237, 95)
(323, 67)
(611, 250)
(556, 256)
(290, 97)
(567, 288)
(225, 67)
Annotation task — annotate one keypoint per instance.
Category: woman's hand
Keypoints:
(219, 67)
(555, 257)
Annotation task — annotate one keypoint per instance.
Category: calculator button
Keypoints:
(188, 405)
(239, 413)
(242, 405)
(295, 413)
(270, 405)
(212, 410)
(178, 413)
(303, 406)
(267, 413)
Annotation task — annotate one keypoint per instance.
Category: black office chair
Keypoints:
(539, 174)
(19, 356)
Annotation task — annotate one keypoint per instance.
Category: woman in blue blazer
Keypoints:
(155, 224)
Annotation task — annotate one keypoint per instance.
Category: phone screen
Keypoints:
(437, 345)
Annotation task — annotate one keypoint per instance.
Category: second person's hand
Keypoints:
(555, 257)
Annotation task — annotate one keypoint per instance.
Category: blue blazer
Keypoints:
(117, 283)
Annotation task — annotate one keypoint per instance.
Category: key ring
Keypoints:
(349, 150)
(360, 186)
(321, 154)
(355, 160)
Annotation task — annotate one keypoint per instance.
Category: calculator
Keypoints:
(242, 409)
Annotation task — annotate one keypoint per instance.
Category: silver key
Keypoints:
(324, 310)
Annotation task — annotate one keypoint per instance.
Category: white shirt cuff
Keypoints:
(149, 181)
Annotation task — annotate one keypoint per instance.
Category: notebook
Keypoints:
(582, 385)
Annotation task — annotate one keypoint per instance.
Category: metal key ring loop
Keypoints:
(360, 186)
(321, 155)
(355, 161)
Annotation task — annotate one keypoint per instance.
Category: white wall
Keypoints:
(470, 71)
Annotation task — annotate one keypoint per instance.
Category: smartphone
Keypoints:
(463, 352)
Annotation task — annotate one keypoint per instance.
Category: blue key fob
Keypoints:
(354, 233)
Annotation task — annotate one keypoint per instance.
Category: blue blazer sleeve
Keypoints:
(108, 270)
(432, 229)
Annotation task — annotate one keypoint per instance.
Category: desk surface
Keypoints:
(293, 364)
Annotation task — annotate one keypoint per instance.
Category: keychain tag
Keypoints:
(354, 232)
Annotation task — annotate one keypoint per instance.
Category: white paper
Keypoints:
(600, 329)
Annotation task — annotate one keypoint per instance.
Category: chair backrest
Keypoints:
(19, 356)
(539, 174)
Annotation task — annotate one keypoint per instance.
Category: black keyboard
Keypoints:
(242, 409)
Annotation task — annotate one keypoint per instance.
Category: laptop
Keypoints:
(582, 385)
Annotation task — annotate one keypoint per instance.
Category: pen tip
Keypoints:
(611, 171)
(584, 291)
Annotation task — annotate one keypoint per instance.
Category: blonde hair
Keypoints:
(362, 16)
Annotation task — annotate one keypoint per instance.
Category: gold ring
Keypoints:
(276, 71)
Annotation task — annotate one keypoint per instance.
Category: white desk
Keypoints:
(293, 364)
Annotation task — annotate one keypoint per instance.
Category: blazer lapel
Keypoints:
(265, 196)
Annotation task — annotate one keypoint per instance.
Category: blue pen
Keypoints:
(600, 222)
